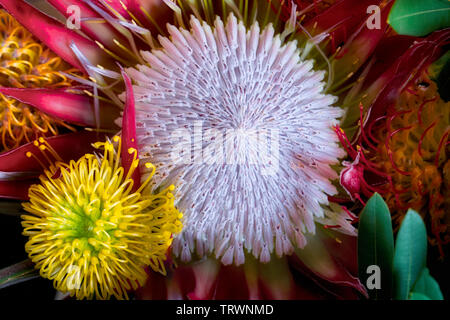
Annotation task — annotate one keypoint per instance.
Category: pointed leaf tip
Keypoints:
(418, 296)
(376, 246)
(410, 254)
(428, 286)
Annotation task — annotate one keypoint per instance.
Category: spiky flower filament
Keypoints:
(407, 151)
(413, 151)
(90, 233)
(26, 63)
(239, 80)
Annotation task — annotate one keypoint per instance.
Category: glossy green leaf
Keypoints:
(428, 286)
(376, 245)
(419, 17)
(410, 254)
(17, 273)
(418, 296)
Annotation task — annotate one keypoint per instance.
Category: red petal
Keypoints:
(387, 53)
(73, 108)
(55, 35)
(17, 190)
(129, 132)
(405, 70)
(230, 284)
(328, 260)
(101, 32)
(360, 47)
(343, 17)
(158, 10)
(69, 146)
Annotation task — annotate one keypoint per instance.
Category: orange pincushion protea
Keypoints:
(413, 151)
(27, 63)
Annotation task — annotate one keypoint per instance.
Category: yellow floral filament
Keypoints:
(90, 234)
(26, 63)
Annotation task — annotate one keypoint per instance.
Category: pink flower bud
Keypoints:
(350, 178)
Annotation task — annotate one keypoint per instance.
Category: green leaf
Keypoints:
(418, 296)
(428, 286)
(419, 17)
(17, 273)
(376, 245)
(410, 254)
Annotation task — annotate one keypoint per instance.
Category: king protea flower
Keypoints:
(250, 74)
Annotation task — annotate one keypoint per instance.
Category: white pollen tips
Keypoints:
(239, 123)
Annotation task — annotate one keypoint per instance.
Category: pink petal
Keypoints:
(55, 35)
(101, 32)
(70, 107)
(129, 140)
(205, 275)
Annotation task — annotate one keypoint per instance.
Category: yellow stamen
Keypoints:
(26, 63)
(89, 233)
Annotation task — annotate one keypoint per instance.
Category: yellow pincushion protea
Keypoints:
(90, 232)
(26, 63)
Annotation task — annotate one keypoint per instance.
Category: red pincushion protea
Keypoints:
(336, 41)
(403, 155)
(401, 150)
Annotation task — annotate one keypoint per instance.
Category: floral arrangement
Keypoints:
(235, 149)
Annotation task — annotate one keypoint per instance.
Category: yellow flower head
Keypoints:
(26, 63)
(90, 233)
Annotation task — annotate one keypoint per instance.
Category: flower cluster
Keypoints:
(90, 232)
(240, 115)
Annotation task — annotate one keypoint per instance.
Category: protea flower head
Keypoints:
(91, 232)
(265, 139)
(237, 104)
(399, 144)
(248, 82)
(92, 226)
(406, 148)
(420, 168)
(27, 63)
(40, 96)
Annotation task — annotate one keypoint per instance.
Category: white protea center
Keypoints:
(239, 123)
